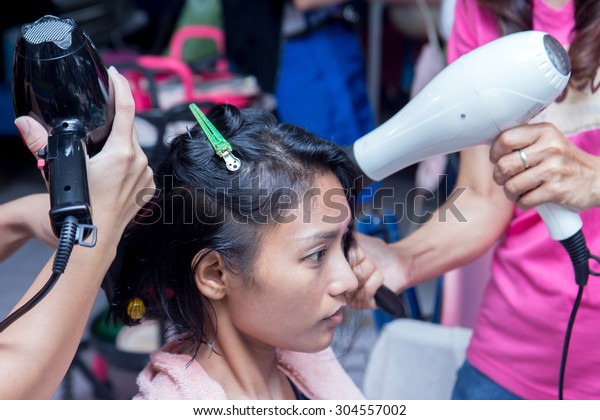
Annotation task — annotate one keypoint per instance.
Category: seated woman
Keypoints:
(243, 255)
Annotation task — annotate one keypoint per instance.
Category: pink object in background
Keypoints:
(463, 292)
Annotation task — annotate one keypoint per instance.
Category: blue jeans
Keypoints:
(471, 384)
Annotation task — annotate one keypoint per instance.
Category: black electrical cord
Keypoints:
(565, 351)
(68, 236)
(579, 253)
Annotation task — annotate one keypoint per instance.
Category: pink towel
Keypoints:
(171, 376)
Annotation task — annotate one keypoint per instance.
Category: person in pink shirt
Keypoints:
(517, 345)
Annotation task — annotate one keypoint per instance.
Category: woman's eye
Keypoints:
(318, 255)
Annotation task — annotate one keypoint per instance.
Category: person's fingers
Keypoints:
(516, 162)
(559, 178)
(364, 296)
(355, 256)
(517, 138)
(363, 266)
(122, 132)
(522, 183)
(369, 280)
(125, 112)
(374, 282)
(386, 259)
(136, 142)
(34, 135)
(533, 198)
(123, 143)
(524, 148)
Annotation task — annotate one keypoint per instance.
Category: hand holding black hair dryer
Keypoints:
(60, 80)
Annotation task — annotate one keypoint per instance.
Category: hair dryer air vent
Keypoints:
(48, 29)
(58, 77)
(557, 55)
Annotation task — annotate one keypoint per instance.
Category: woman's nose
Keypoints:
(342, 278)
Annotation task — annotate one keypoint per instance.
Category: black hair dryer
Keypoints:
(60, 80)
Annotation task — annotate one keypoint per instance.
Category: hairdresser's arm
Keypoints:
(37, 349)
(462, 229)
(559, 172)
(23, 219)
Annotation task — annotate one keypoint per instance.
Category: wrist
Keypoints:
(108, 238)
(101, 254)
(409, 251)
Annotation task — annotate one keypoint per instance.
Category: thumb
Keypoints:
(33, 134)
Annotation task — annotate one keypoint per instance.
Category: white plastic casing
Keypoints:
(495, 87)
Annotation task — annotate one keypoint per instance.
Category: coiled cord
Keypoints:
(66, 242)
(578, 251)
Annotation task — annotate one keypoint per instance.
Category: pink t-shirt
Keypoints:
(520, 330)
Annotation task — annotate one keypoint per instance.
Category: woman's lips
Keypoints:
(337, 317)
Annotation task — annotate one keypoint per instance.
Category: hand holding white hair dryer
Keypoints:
(500, 85)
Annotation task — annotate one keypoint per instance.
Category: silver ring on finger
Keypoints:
(523, 157)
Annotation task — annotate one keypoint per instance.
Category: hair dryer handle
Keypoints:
(562, 222)
(389, 302)
(66, 170)
(565, 226)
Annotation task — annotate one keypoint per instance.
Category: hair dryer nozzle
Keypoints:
(499, 85)
(60, 80)
(557, 55)
(58, 75)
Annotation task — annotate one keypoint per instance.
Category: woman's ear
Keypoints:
(209, 274)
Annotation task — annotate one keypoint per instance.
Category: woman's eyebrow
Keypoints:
(325, 234)
(329, 234)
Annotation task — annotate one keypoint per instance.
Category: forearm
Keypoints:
(47, 336)
(471, 220)
(451, 239)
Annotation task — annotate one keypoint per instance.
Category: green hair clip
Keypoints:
(218, 142)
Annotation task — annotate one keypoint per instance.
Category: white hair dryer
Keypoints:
(497, 86)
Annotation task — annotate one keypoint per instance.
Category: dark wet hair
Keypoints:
(201, 205)
(584, 51)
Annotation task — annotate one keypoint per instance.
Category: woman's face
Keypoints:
(297, 293)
